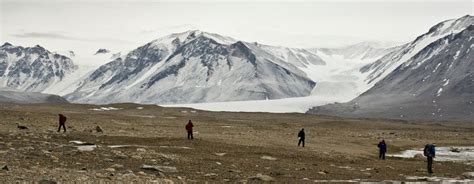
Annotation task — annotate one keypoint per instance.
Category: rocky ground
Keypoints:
(145, 143)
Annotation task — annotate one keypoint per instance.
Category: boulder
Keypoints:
(165, 169)
(262, 177)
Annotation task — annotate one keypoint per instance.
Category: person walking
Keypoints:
(189, 128)
(301, 137)
(429, 153)
(382, 149)
(62, 122)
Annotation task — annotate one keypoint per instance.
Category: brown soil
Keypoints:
(336, 148)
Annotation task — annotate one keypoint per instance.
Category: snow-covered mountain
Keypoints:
(382, 67)
(32, 69)
(196, 66)
(436, 82)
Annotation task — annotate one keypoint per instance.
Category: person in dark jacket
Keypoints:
(382, 149)
(301, 137)
(189, 128)
(430, 153)
(62, 122)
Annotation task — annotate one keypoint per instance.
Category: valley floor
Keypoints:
(236, 147)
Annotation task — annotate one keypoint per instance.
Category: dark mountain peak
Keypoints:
(6, 44)
(452, 24)
(37, 49)
(102, 51)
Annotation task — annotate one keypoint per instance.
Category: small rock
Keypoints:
(5, 168)
(99, 175)
(390, 167)
(268, 157)
(165, 169)
(277, 173)
(455, 150)
(108, 160)
(262, 177)
(419, 156)
(220, 154)
(211, 175)
(137, 157)
(46, 152)
(235, 171)
(469, 175)
(323, 172)
(110, 169)
(122, 156)
(141, 149)
(117, 166)
(99, 129)
(218, 163)
(46, 182)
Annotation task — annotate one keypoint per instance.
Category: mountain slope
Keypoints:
(32, 69)
(437, 83)
(378, 70)
(29, 97)
(360, 51)
(192, 67)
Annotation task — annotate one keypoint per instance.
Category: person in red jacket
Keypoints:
(189, 128)
(62, 122)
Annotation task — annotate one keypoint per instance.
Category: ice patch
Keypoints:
(456, 56)
(439, 92)
(439, 179)
(446, 82)
(86, 147)
(298, 104)
(456, 153)
(436, 68)
(105, 109)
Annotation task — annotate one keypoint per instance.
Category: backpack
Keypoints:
(426, 151)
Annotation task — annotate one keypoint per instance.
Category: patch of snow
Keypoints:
(465, 154)
(439, 179)
(86, 147)
(105, 109)
(439, 92)
(436, 68)
(456, 56)
(300, 104)
(446, 82)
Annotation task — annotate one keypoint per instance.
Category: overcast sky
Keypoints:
(85, 26)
